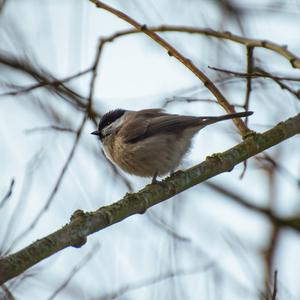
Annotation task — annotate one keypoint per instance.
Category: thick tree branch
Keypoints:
(83, 224)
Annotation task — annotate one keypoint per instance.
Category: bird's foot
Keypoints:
(154, 180)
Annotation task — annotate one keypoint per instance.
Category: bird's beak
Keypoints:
(95, 132)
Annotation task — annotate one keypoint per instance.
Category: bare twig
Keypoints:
(253, 43)
(282, 85)
(56, 186)
(274, 294)
(248, 79)
(279, 167)
(268, 256)
(249, 56)
(288, 88)
(191, 100)
(41, 75)
(245, 164)
(279, 49)
(188, 100)
(239, 199)
(55, 83)
(161, 224)
(75, 270)
(89, 113)
(220, 81)
(93, 80)
(255, 74)
(8, 194)
(51, 127)
(14, 220)
(2, 4)
(248, 204)
(263, 74)
(7, 293)
(150, 281)
(89, 109)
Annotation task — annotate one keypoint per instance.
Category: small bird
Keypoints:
(150, 142)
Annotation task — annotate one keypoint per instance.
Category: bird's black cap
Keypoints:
(107, 119)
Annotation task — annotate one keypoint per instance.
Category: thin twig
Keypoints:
(55, 83)
(289, 89)
(56, 186)
(75, 270)
(8, 193)
(89, 109)
(248, 79)
(8, 294)
(255, 74)
(150, 281)
(282, 85)
(264, 74)
(191, 100)
(269, 251)
(239, 199)
(220, 81)
(275, 286)
(245, 164)
(14, 220)
(249, 55)
(40, 75)
(188, 100)
(269, 255)
(51, 127)
(226, 35)
(281, 50)
(88, 113)
(279, 167)
(161, 224)
(2, 4)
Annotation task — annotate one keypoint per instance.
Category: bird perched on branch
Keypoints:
(150, 142)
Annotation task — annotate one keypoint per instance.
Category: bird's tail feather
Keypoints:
(211, 120)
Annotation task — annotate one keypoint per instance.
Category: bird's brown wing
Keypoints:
(152, 123)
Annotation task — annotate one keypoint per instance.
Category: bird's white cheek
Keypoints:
(107, 152)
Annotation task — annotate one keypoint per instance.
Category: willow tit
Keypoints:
(150, 142)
